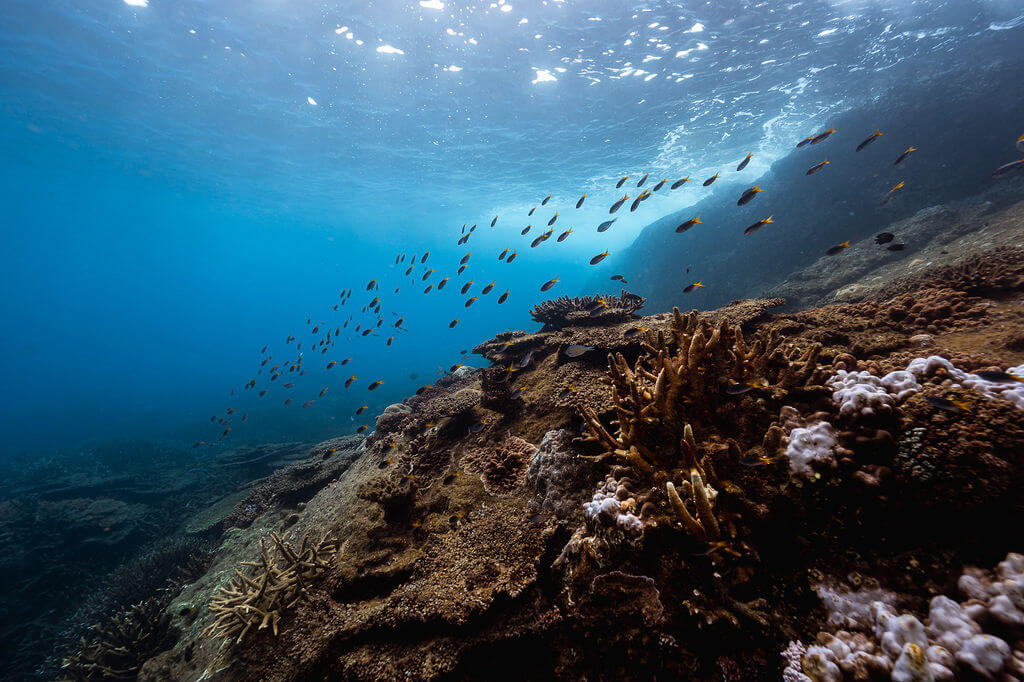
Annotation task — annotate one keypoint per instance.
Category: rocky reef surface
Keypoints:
(741, 494)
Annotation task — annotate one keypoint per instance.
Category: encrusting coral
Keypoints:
(277, 580)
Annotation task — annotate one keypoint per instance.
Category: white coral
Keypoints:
(811, 445)
(613, 506)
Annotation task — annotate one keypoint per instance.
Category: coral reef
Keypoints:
(586, 310)
(117, 648)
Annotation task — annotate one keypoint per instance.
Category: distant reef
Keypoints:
(960, 139)
(747, 493)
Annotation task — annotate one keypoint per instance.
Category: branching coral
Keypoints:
(119, 646)
(280, 578)
(584, 310)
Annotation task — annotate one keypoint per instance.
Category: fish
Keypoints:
(605, 225)
(618, 204)
(323, 391)
(710, 180)
(424, 258)
(896, 247)
(566, 392)
(679, 183)
(487, 289)
(471, 301)
(748, 195)
(346, 361)
(951, 406)
(907, 152)
(367, 331)
(351, 380)
(1020, 143)
(440, 285)
(683, 227)
(561, 237)
(263, 392)
(821, 137)
(690, 287)
(503, 297)
(455, 367)
(409, 270)
(478, 426)
(757, 226)
(580, 202)
(869, 139)
(390, 340)
(817, 167)
(998, 376)
(198, 444)
(743, 387)
(576, 350)
(374, 385)
(745, 161)
(1008, 168)
(332, 363)
(465, 259)
(462, 240)
(287, 401)
(362, 409)
(264, 349)
(619, 278)
(531, 211)
(427, 274)
(891, 193)
(833, 250)
(362, 429)
(494, 222)
(511, 257)
(599, 257)
(527, 359)
(429, 287)
(633, 332)
(553, 219)
(621, 182)
(659, 185)
(501, 256)
(288, 385)
(466, 286)
(462, 269)
(636, 202)
(550, 283)
(453, 323)
(544, 202)
(884, 237)
(518, 393)
(642, 180)
(540, 240)
(369, 286)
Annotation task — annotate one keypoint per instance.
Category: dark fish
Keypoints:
(350, 380)
(553, 219)
(440, 285)
(580, 202)
(884, 238)
(424, 258)
(478, 426)
(997, 376)
(427, 274)
(527, 359)
(463, 240)
(531, 211)
(891, 193)
(362, 409)
(471, 301)
(429, 287)
(757, 226)
(545, 201)
(465, 259)
(907, 152)
(659, 185)
(951, 406)
(679, 183)
(690, 287)
(744, 162)
(561, 237)
(710, 180)
(332, 363)
(487, 289)
(576, 350)
(466, 286)
(633, 332)
(1020, 143)
(263, 392)
(618, 204)
(869, 139)
(896, 247)
(517, 394)
(453, 323)
(511, 257)
(683, 227)
(368, 330)
(833, 250)
(642, 180)
(264, 349)
(503, 297)
(748, 195)
(541, 239)
(374, 385)
(462, 269)
(566, 392)
(599, 257)
(816, 167)
(550, 283)
(620, 278)
(605, 225)
(493, 222)
(1008, 168)
(636, 203)
(346, 361)
(323, 391)
(821, 137)
(621, 182)
(362, 429)
(501, 256)
(371, 285)
(409, 270)
(526, 229)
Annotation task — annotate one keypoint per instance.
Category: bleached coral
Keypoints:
(862, 393)
(613, 506)
(877, 640)
(1011, 391)
(812, 445)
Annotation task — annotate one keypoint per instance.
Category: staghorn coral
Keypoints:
(586, 310)
(277, 580)
(117, 648)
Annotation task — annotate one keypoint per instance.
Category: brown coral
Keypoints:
(586, 310)
(502, 467)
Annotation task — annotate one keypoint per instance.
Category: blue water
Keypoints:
(186, 181)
